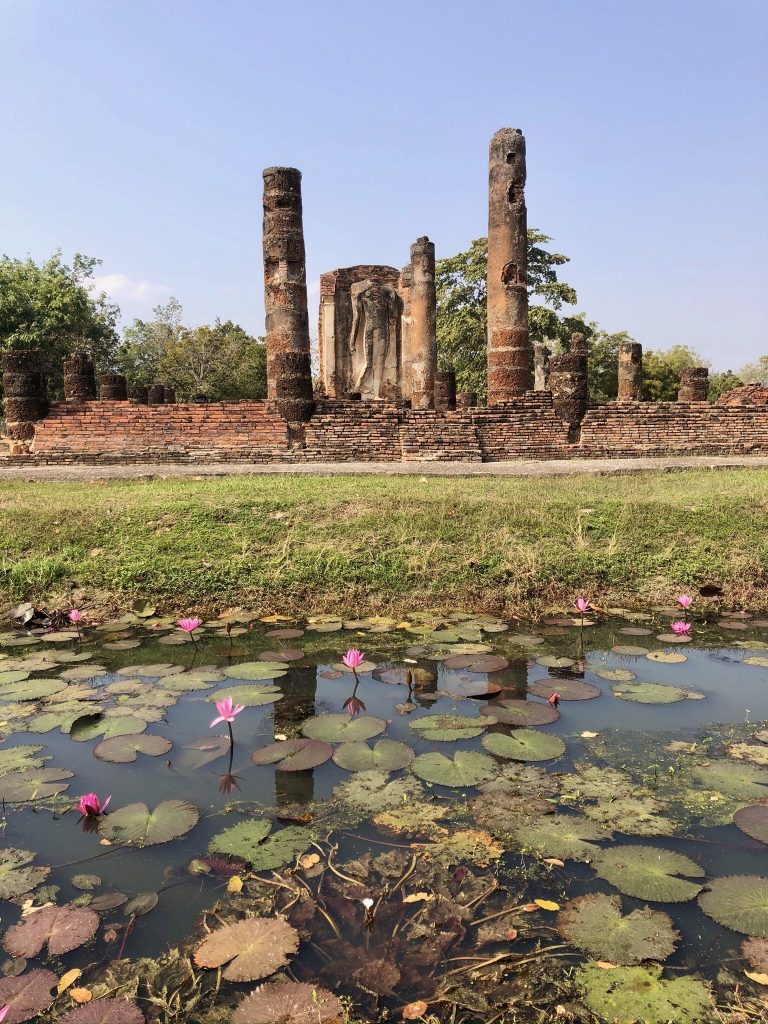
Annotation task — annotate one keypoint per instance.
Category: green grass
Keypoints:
(366, 544)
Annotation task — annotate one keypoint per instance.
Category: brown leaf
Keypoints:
(104, 1011)
(414, 1010)
(81, 995)
(68, 979)
(512, 934)
(257, 947)
(28, 995)
(288, 1001)
(759, 979)
(62, 928)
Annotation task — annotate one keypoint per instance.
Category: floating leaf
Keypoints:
(738, 902)
(141, 904)
(552, 661)
(413, 817)
(123, 749)
(740, 781)
(649, 693)
(447, 728)
(754, 752)
(103, 1011)
(635, 816)
(628, 651)
(20, 759)
(524, 745)
(629, 994)
(28, 994)
(565, 836)
(465, 768)
(61, 928)
(253, 949)
(521, 712)
(30, 689)
(620, 675)
(596, 924)
(36, 784)
(649, 873)
(155, 671)
(468, 687)
(667, 657)
(373, 792)
(567, 689)
(67, 979)
(342, 728)
(90, 726)
(249, 841)
(753, 821)
(136, 825)
(294, 755)
(108, 901)
(16, 875)
(251, 696)
(86, 882)
(256, 670)
(384, 756)
(289, 1002)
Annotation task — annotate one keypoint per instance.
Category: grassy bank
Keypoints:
(362, 544)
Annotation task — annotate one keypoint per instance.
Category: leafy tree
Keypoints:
(719, 383)
(50, 306)
(144, 342)
(661, 371)
(603, 366)
(221, 361)
(757, 371)
(461, 307)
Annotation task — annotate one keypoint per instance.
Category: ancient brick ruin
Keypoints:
(378, 395)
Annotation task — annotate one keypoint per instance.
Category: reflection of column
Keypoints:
(299, 689)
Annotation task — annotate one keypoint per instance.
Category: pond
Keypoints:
(484, 821)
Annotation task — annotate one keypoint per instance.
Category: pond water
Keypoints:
(403, 870)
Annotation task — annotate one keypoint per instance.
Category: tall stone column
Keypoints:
(541, 356)
(26, 396)
(423, 317)
(630, 371)
(285, 277)
(694, 384)
(569, 383)
(508, 339)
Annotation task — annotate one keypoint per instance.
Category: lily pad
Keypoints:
(667, 657)
(524, 745)
(447, 728)
(17, 876)
(104, 1011)
(294, 755)
(628, 651)
(415, 817)
(753, 821)
(252, 949)
(596, 924)
(28, 995)
(251, 696)
(30, 689)
(629, 994)
(20, 759)
(552, 661)
(649, 693)
(633, 815)
(108, 901)
(86, 882)
(90, 726)
(649, 873)
(142, 903)
(740, 781)
(567, 689)
(61, 928)
(521, 712)
(136, 825)
(123, 749)
(461, 687)
(384, 756)
(256, 670)
(371, 792)
(619, 675)
(289, 1002)
(566, 836)
(252, 841)
(465, 768)
(342, 728)
(738, 902)
(756, 753)
(37, 784)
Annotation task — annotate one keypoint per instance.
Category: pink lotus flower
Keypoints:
(90, 807)
(4, 1011)
(553, 700)
(681, 628)
(582, 604)
(685, 601)
(353, 659)
(226, 711)
(74, 616)
(189, 625)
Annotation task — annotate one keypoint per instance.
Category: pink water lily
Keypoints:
(681, 628)
(189, 625)
(353, 659)
(4, 1011)
(75, 616)
(90, 807)
(227, 711)
(582, 604)
(685, 601)
(553, 700)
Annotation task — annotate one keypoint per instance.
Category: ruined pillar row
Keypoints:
(26, 396)
(507, 285)
(630, 371)
(694, 384)
(113, 387)
(285, 284)
(423, 324)
(541, 356)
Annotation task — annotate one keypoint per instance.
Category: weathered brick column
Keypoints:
(445, 390)
(541, 356)
(285, 276)
(156, 394)
(694, 384)
(466, 399)
(508, 339)
(169, 398)
(112, 387)
(630, 371)
(139, 394)
(423, 317)
(293, 384)
(25, 394)
(79, 378)
(568, 384)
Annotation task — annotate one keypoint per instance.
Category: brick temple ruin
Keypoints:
(378, 395)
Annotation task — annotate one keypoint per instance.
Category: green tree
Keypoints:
(51, 306)
(603, 366)
(144, 342)
(757, 371)
(661, 371)
(719, 383)
(221, 361)
(461, 307)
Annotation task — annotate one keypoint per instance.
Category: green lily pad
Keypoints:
(738, 902)
(524, 745)
(384, 756)
(372, 792)
(136, 825)
(157, 670)
(649, 693)
(465, 768)
(201, 679)
(17, 876)
(92, 725)
(753, 821)
(740, 781)
(447, 728)
(37, 784)
(596, 924)
(590, 782)
(566, 836)
(667, 657)
(342, 728)
(86, 882)
(414, 817)
(521, 712)
(619, 675)
(628, 651)
(365, 666)
(566, 689)
(256, 670)
(251, 696)
(20, 759)
(123, 749)
(552, 661)
(637, 816)
(9, 678)
(756, 753)
(629, 994)
(649, 873)
(30, 689)
(61, 718)
(252, 841)
(294, 755)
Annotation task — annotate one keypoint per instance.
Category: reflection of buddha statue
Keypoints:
(374, 340)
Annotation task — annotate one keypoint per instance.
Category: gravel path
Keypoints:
(522, 468)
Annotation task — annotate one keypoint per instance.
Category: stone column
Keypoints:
(112, 387)
(293, 381)
(568, 384)
(169, 398)
(423, 317)
(508, 340)
(694, 384)
(445, 390)
(26, 396)
(139, 394)
(285, 276)
(79, 378)
(630, 371)
(466, 399)
(541, 356)
(156, 394)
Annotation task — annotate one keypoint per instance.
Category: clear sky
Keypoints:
(136, 131)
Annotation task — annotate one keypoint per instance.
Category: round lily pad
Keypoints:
(252, 949)
(552, 661)
(619, 675)
(256, 670)
(521, 712)
(17, 875)
(285, 654)
(738, 902)
(29, 689)
(740, 781)
(635, 631)
(524, 745)
(372, 792)
(567, 836)
(667, 657)
(251, 840)
(628, 651)
(342, 728)
(293, 755)
(567, 689)
(649, 873)
(123, 749)
(365, 666)
(465, 768)
(27, 995)
(136, 825)
(37, 784)
(596, 924)
(20, 758)
(62, 929)
(446, 728)
(384, 756)
(286, 633)
(92, 725)
(649, 693)
(753, 821)
(293, 1002)
(253, 696)
(625, 995)
(466, 686)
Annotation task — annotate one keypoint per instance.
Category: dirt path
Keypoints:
(522, 468)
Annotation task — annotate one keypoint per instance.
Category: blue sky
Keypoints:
(136, 131)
